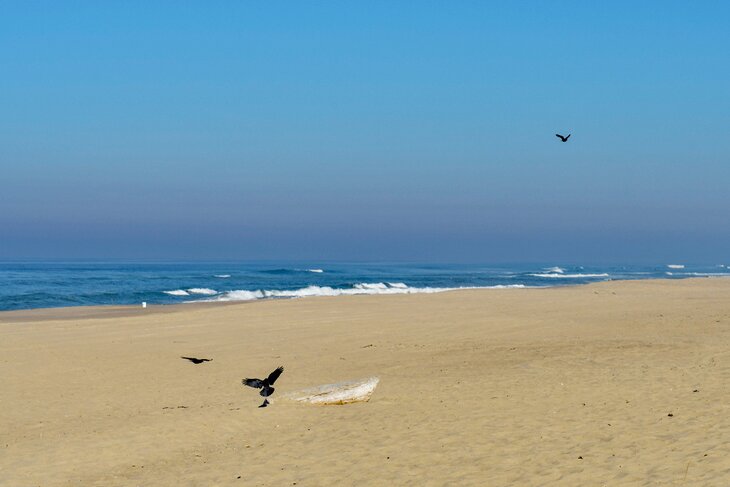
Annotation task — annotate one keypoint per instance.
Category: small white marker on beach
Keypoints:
(144, 304)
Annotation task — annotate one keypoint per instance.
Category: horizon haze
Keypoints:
(369, 132)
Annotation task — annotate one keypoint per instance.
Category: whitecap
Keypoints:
(222, 276)
(555, 269)
(568, 276)
(378, 286)
(675, 266)
(239, 296)
(177, 292)
(202, 290)
(704, 274)
(318, 271)
(357, 289)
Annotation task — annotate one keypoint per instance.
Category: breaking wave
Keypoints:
(188, 292)
(202, 290)
(222, 276)
(556, 275)
(558, 270)
(357, 289)
(675, 266)
(699, 274)
(177, 292)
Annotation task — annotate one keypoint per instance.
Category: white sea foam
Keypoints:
(675, 266)
(702, 274)
(239, 296)
(357, 289)
(177, 292)
(318, 271)
(222, 276)
(378, 286)
(556, 275)
(555, 269)
(195, 290)
(202, 290)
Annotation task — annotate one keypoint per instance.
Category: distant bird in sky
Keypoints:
(564, 139)
(197, 361)
(264, 385)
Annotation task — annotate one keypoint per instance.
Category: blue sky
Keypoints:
(365, 131)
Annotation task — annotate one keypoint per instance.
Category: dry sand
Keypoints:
(619, 383)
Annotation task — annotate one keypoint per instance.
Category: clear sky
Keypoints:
(374, 130)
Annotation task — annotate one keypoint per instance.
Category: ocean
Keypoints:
(27, 285)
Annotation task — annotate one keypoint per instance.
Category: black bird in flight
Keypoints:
(197, 361)
(264, 385)
(564, 139)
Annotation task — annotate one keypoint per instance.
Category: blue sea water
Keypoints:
(26, 285)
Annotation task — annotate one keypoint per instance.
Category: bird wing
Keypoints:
(275, 375)
(192, 359)
(559, 136)
(255, 383)
(566, 138)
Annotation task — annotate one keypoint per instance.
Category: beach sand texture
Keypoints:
(617, 383)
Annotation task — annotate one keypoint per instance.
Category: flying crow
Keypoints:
(564, 139)
(264, 385)
(197, 361)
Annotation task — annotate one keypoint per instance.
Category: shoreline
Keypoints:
(130, 310)
(101, 311)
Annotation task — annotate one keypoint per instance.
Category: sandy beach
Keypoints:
(617, 383)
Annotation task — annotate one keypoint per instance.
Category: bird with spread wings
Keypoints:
(197, 361)
(264, 384)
